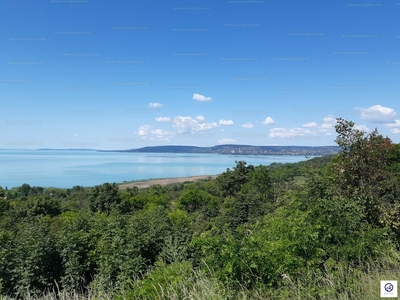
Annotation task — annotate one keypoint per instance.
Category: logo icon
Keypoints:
(388, 288)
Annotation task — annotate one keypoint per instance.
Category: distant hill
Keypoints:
(239, 150)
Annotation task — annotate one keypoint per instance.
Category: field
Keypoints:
(164, 181)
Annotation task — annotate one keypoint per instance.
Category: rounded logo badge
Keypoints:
(388, 288)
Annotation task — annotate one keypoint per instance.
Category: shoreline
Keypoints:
(142, 184)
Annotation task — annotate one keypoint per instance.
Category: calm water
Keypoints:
(67, 168)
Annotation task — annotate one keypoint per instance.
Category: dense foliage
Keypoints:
(312, 230)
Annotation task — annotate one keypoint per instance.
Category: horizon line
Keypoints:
(238, 145)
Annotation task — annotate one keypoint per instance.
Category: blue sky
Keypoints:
(128, 74)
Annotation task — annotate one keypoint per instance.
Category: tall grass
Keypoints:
(343, 286)
(180, 281)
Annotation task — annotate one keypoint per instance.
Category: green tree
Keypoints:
(176, 244)
(24, 189)
(104, 198)
(4, 206)
(35, 206)
(124, 246)
(116, 258)
(147, 230)
(231, 182)
(360, 172)
(34, 263)
(194, 199)
(73, 242)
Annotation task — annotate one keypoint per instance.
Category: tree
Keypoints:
(231, 182)
(360, 172)
(261, 180)
(192, 200)
(73, 242)
(104, 198)
(176, 244)
(35, 206)
(4, 206)
(24, 189)
(116, 259)
(34, 264)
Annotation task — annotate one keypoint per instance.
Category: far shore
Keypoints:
(142, 184)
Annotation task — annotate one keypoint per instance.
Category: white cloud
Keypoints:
(395, 124)
(163, 119)
(308, 131)
(182, 125)
(226, 141)
(328, 124)
(143, 130)
(155, 105)
(288, 133)
(268, 121)
(225, 122)
(248, 125)
(187, 124)
(145, 127)
(378, 114)
(199, 97)
(206, 126)
(311, 124)
(184, 122)
(362, 128)
(329, 120)
(162, 134)
(395, 130)
(200, 119)
(75, 134)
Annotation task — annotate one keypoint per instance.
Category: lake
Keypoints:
(67, 168)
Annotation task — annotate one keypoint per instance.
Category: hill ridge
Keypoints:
(237, 149)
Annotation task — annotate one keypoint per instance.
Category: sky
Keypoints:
(129, 74)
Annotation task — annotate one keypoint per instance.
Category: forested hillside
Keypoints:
(325, 228)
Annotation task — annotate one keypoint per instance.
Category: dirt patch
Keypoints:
(147, 183)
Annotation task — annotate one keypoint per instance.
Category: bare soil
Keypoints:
(147, 183)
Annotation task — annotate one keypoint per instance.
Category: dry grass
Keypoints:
(165, 181)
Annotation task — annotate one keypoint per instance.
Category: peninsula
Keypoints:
(238, 150)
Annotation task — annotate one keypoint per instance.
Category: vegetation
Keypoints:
(325, 228)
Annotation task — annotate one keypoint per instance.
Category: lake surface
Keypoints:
(67, 168)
